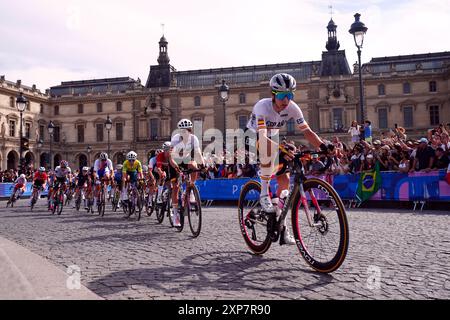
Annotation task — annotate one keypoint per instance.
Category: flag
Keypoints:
(369, 183)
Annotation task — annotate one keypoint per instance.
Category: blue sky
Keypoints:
(45, 42)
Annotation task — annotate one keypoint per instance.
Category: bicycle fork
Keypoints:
(304, 202)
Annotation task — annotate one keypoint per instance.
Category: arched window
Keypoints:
(406, 88)
(197, 101)
(242, 98)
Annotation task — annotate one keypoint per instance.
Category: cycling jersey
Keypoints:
(62, 173)
(135, 167)
(82, 179)
(265, 117)
(38, 176)
(21, 181)
(152, 163)
(102, 167)
(183, 151)
(161, 160)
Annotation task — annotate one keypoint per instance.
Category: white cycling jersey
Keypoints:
(107, 166)
(152, 163)
(183, 149)
(265, 117)
(62, 173)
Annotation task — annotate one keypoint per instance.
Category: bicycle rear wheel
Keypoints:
(102, 203)
(254, 223)
(60, 202)
(323, 245)
(194, 211)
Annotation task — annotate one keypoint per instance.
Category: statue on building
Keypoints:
(3, 130)
(37, 134)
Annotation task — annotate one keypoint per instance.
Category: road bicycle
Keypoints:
(35, 195)
(135, 199)
(193, 210)
(57, 198)
(101, 198)
(14, 197)
(318, 217)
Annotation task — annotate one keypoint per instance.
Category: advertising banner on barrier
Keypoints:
(395, 186)
(6, 189)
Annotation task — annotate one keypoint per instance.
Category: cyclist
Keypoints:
(81, 181)
(62, 174)
(131, 168)
(166, 167)
(40, 180)
(152, 167)
(103, 168)
(118, 178)
(20, 183)
(268, 116)
(185, 151)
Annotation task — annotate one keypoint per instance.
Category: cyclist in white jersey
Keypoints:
(268, 116)
(62, 174)
(186, 152)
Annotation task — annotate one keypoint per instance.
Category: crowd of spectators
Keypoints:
(392, 151)
(11, 175)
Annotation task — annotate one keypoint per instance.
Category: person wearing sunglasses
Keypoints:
(269, 115)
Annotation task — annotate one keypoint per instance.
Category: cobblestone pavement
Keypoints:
(393, 254)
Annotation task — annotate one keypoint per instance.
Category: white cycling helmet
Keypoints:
(85, 169)
(144, 168)
(166, 146)
(22, 176)
(119, 167)
(283, 82)
(185, 124)
(41, 169)
(103, 156)
(131, 155)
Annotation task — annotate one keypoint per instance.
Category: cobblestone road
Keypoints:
(392, 255)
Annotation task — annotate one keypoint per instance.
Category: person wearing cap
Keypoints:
(442, 160)
(316, 165)
(424, 158)
(368, 163)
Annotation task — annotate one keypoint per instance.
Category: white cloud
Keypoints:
(49, 39)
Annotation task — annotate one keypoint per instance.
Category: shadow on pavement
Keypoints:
(225, 272)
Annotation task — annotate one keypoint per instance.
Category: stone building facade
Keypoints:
(412, 91)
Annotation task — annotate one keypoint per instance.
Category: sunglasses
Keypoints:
(284, 94)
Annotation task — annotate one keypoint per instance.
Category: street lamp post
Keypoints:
(108, 125)
(51, 129)
(224, 91)
(358, 30)
(21, 104)
(89, 150)
(40, 143)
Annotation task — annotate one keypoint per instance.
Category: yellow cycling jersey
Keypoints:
(127, 167)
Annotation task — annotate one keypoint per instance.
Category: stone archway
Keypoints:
(29, 159)
(82, 160)
(119, 158)
(43, 160)
(12, 160)
(56, 160)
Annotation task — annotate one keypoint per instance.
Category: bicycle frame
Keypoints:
(299, 178)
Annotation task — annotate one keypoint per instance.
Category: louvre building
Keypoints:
(412, 91)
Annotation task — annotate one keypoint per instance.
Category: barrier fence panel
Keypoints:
(418, 186)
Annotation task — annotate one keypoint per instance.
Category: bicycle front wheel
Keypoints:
(254, 223)
(324, 238)
(194, 211)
